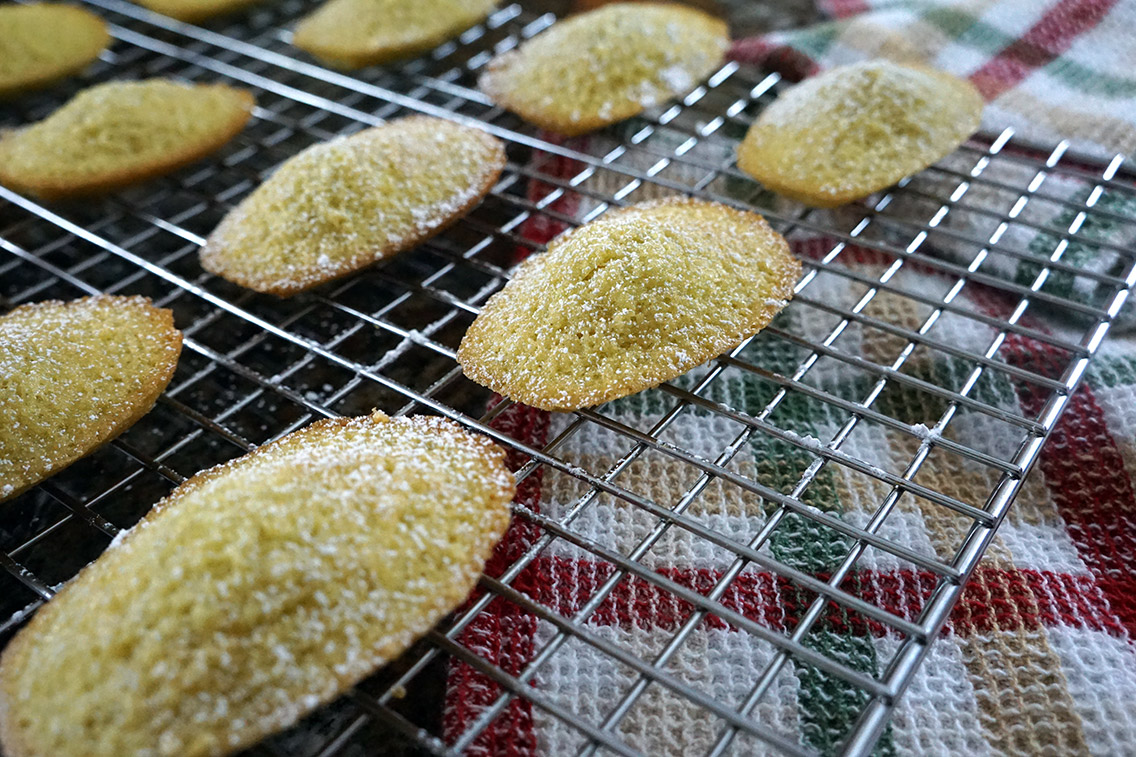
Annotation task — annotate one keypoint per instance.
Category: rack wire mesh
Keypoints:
(948, 318)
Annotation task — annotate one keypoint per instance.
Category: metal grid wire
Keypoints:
(255, 367)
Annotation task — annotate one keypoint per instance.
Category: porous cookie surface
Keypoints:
(41, 43)
(119, 133)
(341, 205)
(606, 65)
(856, 129)
(257, 591)
(74, 375)
(356, 33)
(633, 299)
(193, 11)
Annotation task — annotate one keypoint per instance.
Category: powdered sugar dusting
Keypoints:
(118, 539)
(923, 432)
(677, 78)
(264, 587)
(607, 65)
(353, 33)
(858, 128)
(638, 297)
(74, 375)
(341, 205)
(117, 130)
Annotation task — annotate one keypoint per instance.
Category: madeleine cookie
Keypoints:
(257, 591)
(119, 133)
(192, 11)
(857, 129)
(356, 33)
(42, 43)
(606, 65)
(74, 375)
(636, 298)
(339, 206)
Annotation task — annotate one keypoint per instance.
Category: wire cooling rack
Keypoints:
(941, 324)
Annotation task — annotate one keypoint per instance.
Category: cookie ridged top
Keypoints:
(622, 304)
(41, 43)
(193, 11)
(257, 591)
(606, 65)
(356, 33)
(857, 129)
(121, 132)
(74, 375)
(341, 205)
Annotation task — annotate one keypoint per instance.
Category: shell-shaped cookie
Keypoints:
(857, 129)
(119, 133)
(356, 33)
(636, 298)
(606, 65)
(74, 375)
(41, 43)
(193, 11)
(257, 591)
(339, 206)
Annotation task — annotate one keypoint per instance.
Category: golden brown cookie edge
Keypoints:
(114, 180)
(751, 163)
(162, 321)
(356, 58)
(499, 65)
(208, 253)
(786, 278)
(47, 77)
(13, 655)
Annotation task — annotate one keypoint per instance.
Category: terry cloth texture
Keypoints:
(1038, 655)
(1051, 70)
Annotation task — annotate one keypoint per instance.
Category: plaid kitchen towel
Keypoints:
(1051, 70)
(1038, 657)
